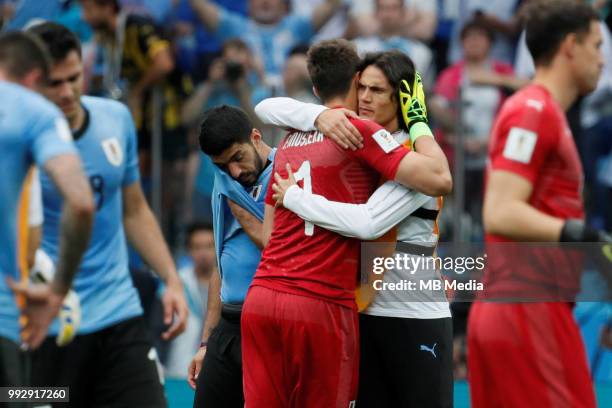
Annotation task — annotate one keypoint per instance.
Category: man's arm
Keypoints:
(289, 113)
(506, 210)
(268, 224)
(390, 204)
(324, 12)
(213, 314)
(250, 224)
(161, 65)
(207, 13)
(144, 235)
(43, 302)
(426, 169)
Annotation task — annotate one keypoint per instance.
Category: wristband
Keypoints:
(203, 344)
(578, 231)
(417, 130)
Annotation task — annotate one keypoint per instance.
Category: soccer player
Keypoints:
(112, 336)
(243, 168)
(33, 130)
(299, 321)
(532, 354)
(394, 320)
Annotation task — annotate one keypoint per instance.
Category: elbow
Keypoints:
(441, 186)
(493, 220)
(83, 208)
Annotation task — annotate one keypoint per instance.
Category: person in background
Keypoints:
(390, 17)
(270, 31)
(196, 278)
(475, 87)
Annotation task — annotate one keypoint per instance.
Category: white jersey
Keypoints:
(391, 205)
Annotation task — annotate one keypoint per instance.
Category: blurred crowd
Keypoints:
(170, 60)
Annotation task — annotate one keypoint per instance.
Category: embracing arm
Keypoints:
(387, 206)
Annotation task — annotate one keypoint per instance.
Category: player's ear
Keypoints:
(569, 44)
(255, 137)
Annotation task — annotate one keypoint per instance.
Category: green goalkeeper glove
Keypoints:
(414, 110)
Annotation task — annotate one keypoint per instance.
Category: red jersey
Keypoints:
(531, 138)
(304, 259)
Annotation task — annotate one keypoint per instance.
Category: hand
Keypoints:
(281, 185)
(335, 124)
(195, 366)
(481, 76)
(216, 71)
(412, 101)
(41, 306)
(175, 308)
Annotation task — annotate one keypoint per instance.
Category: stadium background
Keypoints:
(463, 99)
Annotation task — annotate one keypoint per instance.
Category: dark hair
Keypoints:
(194, 227)
(22, 53)
(477, 25)
(548, 22)
(223, 126)
(300, 49)
(332, 64)
(395, 65)
(58, 40)
(235, 43)
(115, 3)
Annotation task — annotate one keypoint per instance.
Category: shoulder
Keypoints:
(365, 126)
(105, 106)
(18, 96)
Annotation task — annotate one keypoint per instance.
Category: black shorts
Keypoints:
(405, 362)
(13, 368)
(219, 384)
(113, 367)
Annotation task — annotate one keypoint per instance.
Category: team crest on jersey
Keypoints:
(113, 152)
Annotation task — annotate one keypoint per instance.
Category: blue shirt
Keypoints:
(108, 151)
(239, 255)
(31, 129)
(271, 43)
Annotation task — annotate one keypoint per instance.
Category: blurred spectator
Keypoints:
(500, 16)
(196, 46)
(296, 80)
(137, 60)
(418, 22)
(448, 15)
(21, 12)
(158, 10)
(474, 86)
(270, 31)
(195, 277)
(335, 27)
(390, 17)
(233, 79)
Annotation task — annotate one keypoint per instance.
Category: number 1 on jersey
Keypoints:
(303, 173)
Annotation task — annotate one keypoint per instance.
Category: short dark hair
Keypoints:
(115, 3)
(235, 43)
(477, 25)
(223, 126)
(548, 22)
(332, 64)
(395, 65)
(22, 53)
(194, 227)
(59, 40)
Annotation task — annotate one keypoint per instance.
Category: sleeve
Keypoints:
(380, 150)
(231, 25)
(526, 137)
(35, 211)
(50, 136)
(132, 171)
(300, 26)
(289, 113)
(385, 208)
(150, 40)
